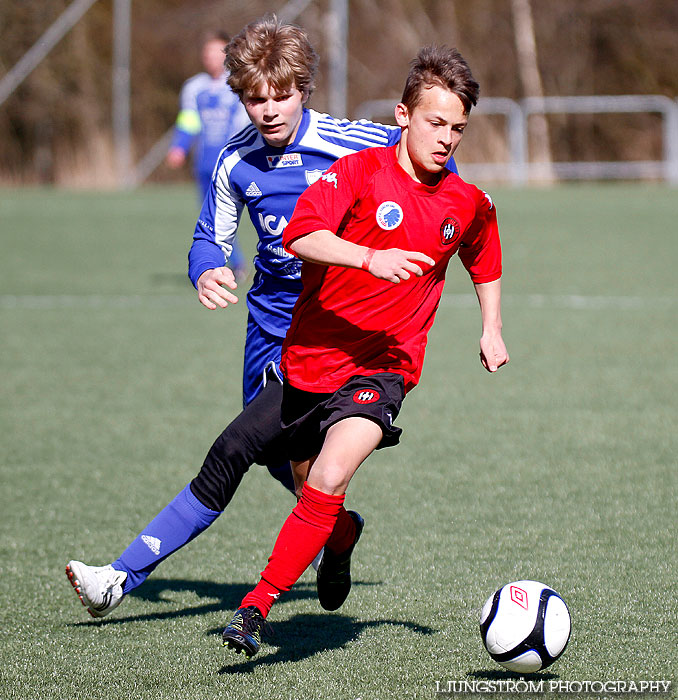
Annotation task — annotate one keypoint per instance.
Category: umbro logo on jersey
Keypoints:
(488, 198)
(389, 215)
(363, 396)
(330, 179)
(449, 230)
(286, 160)
(153, 543)
(253, 190)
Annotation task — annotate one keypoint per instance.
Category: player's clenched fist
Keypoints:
(212, 290)
(493, 354)
(395, 264)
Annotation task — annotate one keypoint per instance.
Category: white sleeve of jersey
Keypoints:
(227, 211)
(188, 98)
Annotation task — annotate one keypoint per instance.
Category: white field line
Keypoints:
(94, 301)
(567, 301)
(531, 301)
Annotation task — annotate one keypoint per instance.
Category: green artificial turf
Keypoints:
(560, 468)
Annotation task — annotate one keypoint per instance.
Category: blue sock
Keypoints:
(175, 525)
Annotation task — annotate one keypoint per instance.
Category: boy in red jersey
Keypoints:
(376, 233)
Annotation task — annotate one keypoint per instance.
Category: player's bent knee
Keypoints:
(331, 478)
(227, 461)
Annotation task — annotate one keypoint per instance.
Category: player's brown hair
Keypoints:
(269, 52)
(443, 66)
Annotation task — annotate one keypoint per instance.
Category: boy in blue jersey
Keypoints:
(264, 169)
(210, 113)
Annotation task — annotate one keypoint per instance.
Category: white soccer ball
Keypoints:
(525, 626)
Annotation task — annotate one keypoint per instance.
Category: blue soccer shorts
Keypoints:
(262, 360)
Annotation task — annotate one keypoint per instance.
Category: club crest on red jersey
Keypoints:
(389, 215)
(449, 230)
(366, 396)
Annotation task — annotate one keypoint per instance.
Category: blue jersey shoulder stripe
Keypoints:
(378, 134)
(380, 138)
(245, 137)
(361, 123)
(353, 140)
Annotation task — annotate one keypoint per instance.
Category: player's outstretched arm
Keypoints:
(493, 352)
(392, 264)
(212, 290)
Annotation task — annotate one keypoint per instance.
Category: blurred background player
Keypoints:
(376, 232)
(209, 115)
(271, 67)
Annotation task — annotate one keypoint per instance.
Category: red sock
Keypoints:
(304, 533)
(343, 535)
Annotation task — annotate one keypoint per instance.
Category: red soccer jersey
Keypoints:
(346, 321)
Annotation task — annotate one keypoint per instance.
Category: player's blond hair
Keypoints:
(443, 66)
(267, 52)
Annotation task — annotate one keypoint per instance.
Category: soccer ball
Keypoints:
(525, 626)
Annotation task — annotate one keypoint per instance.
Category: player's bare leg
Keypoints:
(347, 444)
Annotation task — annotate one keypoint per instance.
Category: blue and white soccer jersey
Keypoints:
(268, 181)
(209, 114)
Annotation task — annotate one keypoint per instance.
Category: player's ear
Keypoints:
(402, 115)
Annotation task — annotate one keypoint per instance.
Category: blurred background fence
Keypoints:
(570, 90)
(519, 169)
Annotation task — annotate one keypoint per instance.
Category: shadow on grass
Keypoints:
(297, 638)
(228, 595)
(304, 635)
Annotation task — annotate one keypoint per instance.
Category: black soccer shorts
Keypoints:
(306, 416)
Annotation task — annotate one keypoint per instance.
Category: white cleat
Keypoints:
(98, 587)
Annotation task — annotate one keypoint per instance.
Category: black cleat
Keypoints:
(243, 633)
(334, 573)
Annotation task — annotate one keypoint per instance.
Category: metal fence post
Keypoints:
(337, 51)
(671, 143)
(54, 34)
(122, 14)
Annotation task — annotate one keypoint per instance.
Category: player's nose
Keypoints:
(447, 136)
(269, 108)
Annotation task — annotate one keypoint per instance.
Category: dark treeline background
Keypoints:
(56, 127)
